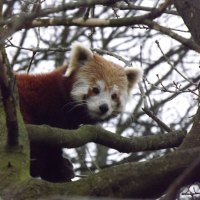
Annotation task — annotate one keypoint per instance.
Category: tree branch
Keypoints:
(193, 137)
(188, 175)
(119, 22)
(132, 6)
(187, 42)
(88, 133)
(158, 121)
(147, 179)
(20, 21)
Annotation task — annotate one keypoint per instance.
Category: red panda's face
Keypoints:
(101, 86)
(101, 102)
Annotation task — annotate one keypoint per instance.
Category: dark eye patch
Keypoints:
(114, 96)
(95, 90)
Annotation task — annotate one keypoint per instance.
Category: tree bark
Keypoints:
(88, 133)
(147, 179)
(14, 163)
(190, 12)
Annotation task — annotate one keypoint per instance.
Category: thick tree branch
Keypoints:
(146, 179)
(188, 174)
(128, 21)
(86, 134)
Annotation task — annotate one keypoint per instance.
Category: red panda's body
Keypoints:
(45, 99)
(91, 89)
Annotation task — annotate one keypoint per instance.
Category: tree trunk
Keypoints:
(14, 163)
(190, 12)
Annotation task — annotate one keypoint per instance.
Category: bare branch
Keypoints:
(187, 42)
(18, 22)
(86, 134)
(132, 6)
(159, 122)
(172, 66)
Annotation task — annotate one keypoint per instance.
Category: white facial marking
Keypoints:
(123, 99)
(80, 88)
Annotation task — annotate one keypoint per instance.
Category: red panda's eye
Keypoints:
(114, 96)
(95, 90)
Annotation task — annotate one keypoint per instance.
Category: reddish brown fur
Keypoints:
(35, 92)
(101, 69)
(45, 99)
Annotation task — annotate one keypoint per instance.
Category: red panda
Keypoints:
(90, 89)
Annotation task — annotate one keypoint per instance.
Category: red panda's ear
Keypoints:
(133, 75)
(79, 56)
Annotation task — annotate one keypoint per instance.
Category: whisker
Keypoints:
(71, 103)
(77, 105)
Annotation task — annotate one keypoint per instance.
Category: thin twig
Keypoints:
(159, 122)
(31, 61)
(58, 49)
(168, 61)
(100, 51)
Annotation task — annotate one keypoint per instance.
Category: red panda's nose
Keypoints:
(103, 108)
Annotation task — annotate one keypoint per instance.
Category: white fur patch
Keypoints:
(80, 88)
(101, 84)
